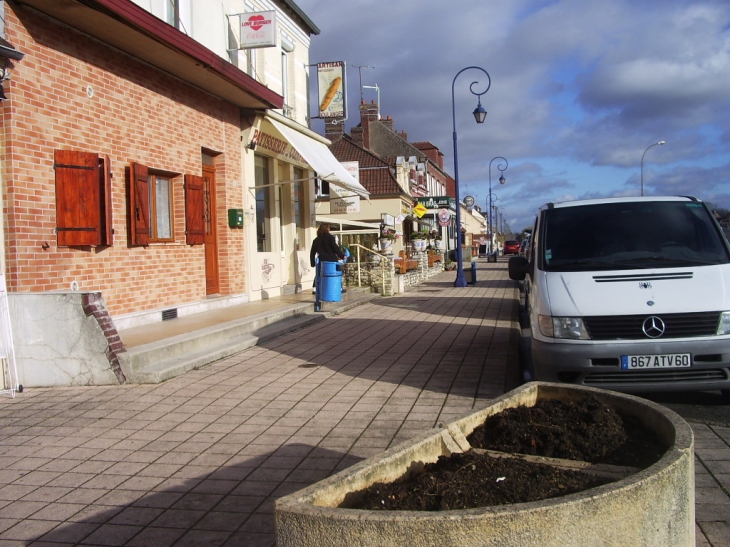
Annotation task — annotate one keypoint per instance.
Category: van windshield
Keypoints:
(634, 235)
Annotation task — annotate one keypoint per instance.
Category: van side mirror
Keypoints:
(518, 268)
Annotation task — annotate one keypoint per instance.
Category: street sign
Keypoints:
(419, 210)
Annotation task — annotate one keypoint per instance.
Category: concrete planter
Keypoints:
(653, 507)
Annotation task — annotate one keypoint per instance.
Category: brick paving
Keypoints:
(201, 459)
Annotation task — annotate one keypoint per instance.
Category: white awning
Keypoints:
(346, 222)
(320, 158)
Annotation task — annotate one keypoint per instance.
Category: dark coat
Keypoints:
(326, 248)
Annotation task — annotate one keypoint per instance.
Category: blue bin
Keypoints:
(331, 282)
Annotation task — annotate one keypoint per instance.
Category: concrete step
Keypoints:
(161, 360)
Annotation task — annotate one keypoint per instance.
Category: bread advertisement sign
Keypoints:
(331, 87)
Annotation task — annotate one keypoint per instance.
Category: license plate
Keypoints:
(672, 360)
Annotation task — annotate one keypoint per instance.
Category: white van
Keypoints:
(629, 294)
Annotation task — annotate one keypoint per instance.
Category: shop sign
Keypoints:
(278, 147)
(437, 202)
(351, 167)
(258, 29)
(331, 87)
(346, 205)
(444, 216)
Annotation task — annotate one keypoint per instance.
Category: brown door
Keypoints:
(212, 278)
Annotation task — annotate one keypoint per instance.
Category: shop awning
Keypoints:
(374, 226)
(319, 157)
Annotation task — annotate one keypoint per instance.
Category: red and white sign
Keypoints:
(258, 29)
(444, 216)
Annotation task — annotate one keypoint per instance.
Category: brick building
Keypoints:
(126, 172)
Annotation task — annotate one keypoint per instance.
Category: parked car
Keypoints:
(524, 245)
(511, 247)
(629, 294)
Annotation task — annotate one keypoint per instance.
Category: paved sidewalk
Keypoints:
(200, 459)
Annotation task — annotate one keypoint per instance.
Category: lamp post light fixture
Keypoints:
(660, 143)
(502, 180)
(479, 115)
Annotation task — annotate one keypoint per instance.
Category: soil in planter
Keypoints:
(585, 430)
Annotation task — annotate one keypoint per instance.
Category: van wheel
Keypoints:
(725, 395)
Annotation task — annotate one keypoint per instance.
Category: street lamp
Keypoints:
(502, 180)
(660, 143)
(479, 115)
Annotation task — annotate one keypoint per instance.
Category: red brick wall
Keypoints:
(137, 113)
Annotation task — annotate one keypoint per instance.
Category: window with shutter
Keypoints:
(194, 210)
(139, 205)
(83, 199)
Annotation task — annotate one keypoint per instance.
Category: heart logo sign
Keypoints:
(256, 21)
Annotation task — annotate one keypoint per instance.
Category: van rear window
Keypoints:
(630, 235)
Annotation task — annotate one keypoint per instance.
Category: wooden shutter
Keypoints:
(79, 204)
(105, 185)
(194, 210)
(139, 205)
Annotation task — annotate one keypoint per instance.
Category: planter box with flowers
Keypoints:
(419, 240)
(387, 239)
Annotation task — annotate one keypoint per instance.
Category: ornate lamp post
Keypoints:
(479, 115)
(660, 143)
(502, 180)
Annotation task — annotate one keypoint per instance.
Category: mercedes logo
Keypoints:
(653, 327)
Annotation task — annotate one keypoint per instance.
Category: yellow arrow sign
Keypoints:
(419, 210)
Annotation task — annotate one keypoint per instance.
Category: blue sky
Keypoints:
(579, 91)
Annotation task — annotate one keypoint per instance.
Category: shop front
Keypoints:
(284, 159)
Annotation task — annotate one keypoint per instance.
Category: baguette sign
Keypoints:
(331, 87)
(258, 29)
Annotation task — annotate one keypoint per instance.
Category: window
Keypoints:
(263, 244)
(323, 188)
(251, 63)
(83, 199)
(298, 191)
(160, 208)
(285, 84)
(177, 13)
(151, 210)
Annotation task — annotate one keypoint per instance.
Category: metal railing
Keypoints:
(385, 262)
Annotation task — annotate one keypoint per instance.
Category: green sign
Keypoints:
(438, 202)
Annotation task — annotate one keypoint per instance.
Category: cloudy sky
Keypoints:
(579, 90)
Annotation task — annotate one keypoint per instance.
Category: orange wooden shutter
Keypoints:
(78, 199)
(194, 210)
(139, 205)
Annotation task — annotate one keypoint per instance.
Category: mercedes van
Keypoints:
(629, 294)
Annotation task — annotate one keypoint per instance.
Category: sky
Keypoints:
(578, 92)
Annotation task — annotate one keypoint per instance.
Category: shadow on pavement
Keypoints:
(231, 506)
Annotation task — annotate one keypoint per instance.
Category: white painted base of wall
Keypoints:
(147, 317)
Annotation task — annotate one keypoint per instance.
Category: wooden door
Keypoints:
(212, 276)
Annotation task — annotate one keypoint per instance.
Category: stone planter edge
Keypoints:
(654, 507)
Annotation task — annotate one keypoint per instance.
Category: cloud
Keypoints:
(578, 89)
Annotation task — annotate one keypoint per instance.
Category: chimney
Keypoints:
(388, 122)
(368, 113)
(334, 128)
